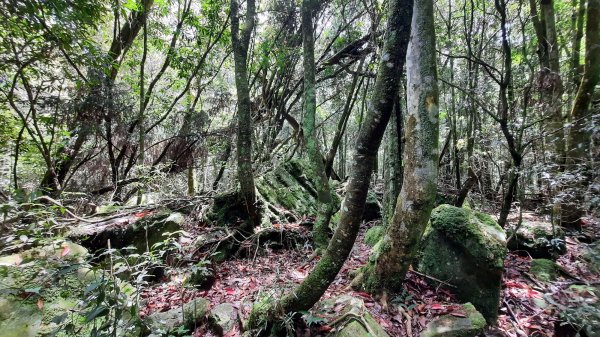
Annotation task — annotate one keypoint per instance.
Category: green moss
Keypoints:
(373, 235)
(259, 320)
(474, 315)
(544, 270)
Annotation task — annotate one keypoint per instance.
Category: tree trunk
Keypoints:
(241, 42)
(393, 162)
(369, 139)
(579, 136)
(419, 186)
(317, 167)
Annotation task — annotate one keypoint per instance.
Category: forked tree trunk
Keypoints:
(417, 198)
(369, 139)
(317, 167)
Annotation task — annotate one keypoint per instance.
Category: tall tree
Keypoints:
(549, 81)
(368, 142)
(317, 165)
(579, 136)
(417, 197)
(241, 43)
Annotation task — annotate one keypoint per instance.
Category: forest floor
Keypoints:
(269, 272)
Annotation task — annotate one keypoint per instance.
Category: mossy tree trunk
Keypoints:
(417, 197)
(317, 166)
(549, 80)
(241, 42)
(578, 142)
(369, 139)
(393, 162)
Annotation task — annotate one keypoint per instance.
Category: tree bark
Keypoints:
(393, 162)
(386, 272)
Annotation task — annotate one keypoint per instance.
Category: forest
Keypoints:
(351, 168)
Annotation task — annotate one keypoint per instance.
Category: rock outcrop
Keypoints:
(285, 194)
(140, 230)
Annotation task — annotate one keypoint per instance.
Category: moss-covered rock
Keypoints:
(544, 270)
(467, 249)
(223, 318)
(538, 239)
(374, 234)
(191, 315)
(454, 326)
(141, 231)
(372, 207)
(352, 317)
(284, 193)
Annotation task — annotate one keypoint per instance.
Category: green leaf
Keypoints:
(99, 311)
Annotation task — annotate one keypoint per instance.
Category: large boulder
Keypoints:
(466, 249)
(539, 239)
(140, 230)
(466, 322)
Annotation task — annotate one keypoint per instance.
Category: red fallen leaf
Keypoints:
(65, 251)
(458, 314)
(142, 214)
(515, 284)
(363, 294)
(230, 291)
(436, 306)
(40, 303)
(18, 260)
(324, 328)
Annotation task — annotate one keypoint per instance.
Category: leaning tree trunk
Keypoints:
(241, 42)
(417, 198)
(578, 142)
(369, 139)
(317, 167)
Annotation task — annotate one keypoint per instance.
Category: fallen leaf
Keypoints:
(436, 306)
(65, 251)
(40, 303)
